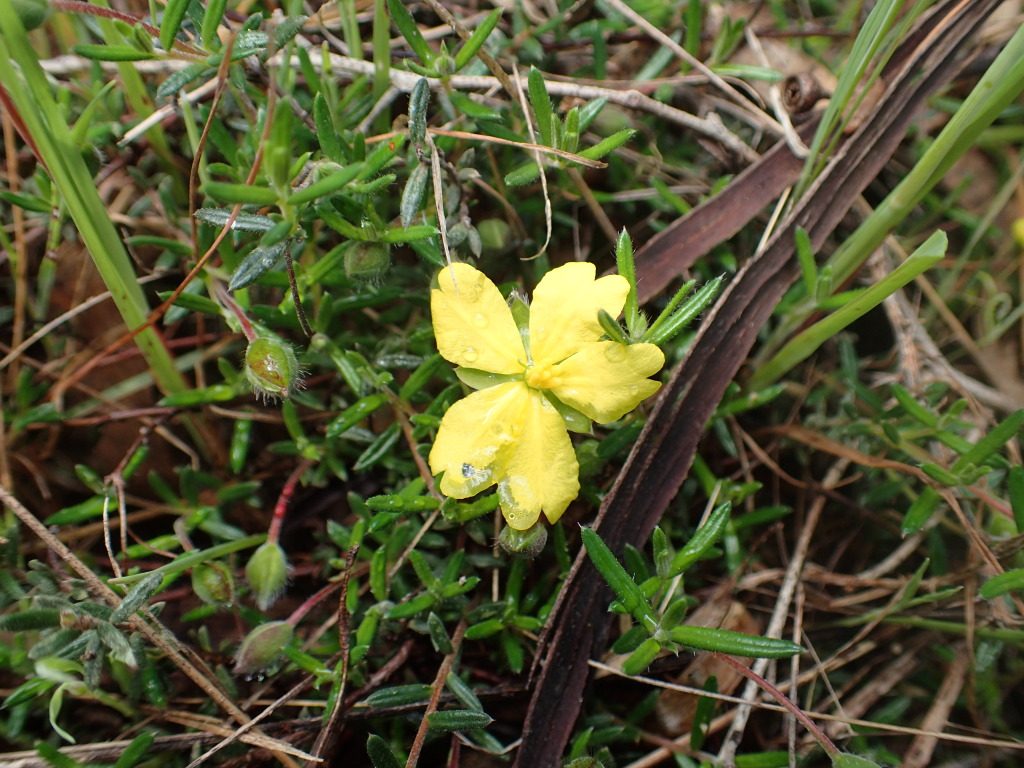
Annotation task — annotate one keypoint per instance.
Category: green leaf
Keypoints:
(703, 539)
(326, 133)
(1011, 581)
(477, 39)
(174, 14)
(1004, 431)
(920, 511)
(325, 186)
(414, 194)
(138, 596)
(260, 260)
(605, 146)
(380, 754)
(1015, 482)
(112, 53)
(642, 657)
(419, 102)
(240, 193)
(407, 28)
(245, 222)
(399, 695)
(734, 643)
(622, 583)
(178, 80)
(211, 21)
(454, 720)
(541, 106)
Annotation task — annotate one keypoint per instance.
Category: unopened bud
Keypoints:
(528, 543)
(366, 261)
(214, 583)
(267, 573)
(31, 12)
(271, 368)
(262, 647)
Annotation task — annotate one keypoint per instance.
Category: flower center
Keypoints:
(541, 376)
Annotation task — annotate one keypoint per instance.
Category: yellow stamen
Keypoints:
(542, 377)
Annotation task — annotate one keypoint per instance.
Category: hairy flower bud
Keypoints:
(262, 647)
(267, 573)
(528, 543)
(271, 368)
(366, 260)
(31, 12)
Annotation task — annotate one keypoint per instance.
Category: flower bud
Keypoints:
(31, 12)
(267, 573)
(214, 583)
(366, 260)
(271, 368)
(528, 543)
(262, 648)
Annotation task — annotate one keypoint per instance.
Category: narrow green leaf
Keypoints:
(355, 414)
(704, 538)
(325, 186)
(608, 145)
(230, 192)
(1011, 581)
(524, 174)
(380, 754)
(1016, 491)
(920, 511)
(807, 342)
(612, 328)
(260, 260)
(541, 106)
(414, 193)
(734, 643)
(174, 14)
(178, 80)
(419, 103)
(326, 133)
(138, 596)
(622, 584)
(211, 21)
(407, 28)
(477, 39)
(453, 720)
(1003, 432)
(29, 620)
(642, 657)
(245, 222)
(112, 53)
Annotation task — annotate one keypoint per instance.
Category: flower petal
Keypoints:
(541, 473)
(472, 323)
(473, 442)
(606, 380)
(563, 315)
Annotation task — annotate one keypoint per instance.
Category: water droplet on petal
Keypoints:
(470, 354)
(634, 389)
(615, 353)
(480, 321)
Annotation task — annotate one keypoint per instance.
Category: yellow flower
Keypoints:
(532, 381)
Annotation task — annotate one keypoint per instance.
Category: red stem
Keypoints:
(826, 743)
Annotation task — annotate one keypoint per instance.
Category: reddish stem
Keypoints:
(826, 743)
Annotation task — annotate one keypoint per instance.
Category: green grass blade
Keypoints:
(804, 345)
(31, 95)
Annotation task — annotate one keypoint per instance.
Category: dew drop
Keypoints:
(470, 354)
(615, 353)
(634, 389)
(480, 321)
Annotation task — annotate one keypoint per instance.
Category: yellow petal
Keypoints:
(606, 380)
(563, 314)
(541, 472)
(473, 324)
(473, 441)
